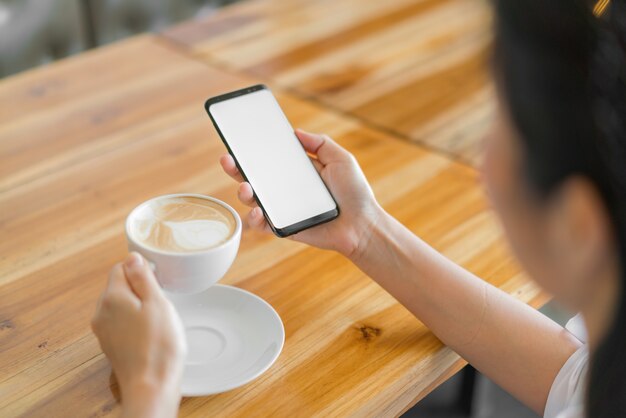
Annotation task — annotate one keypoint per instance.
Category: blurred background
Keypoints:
(35, 32)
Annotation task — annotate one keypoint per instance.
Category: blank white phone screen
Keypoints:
(269, 153)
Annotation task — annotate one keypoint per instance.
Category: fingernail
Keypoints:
(133, 260)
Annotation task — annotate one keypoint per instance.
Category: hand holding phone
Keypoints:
(341, 172)
(268, 155)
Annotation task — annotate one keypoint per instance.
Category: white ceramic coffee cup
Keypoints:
(190, 272)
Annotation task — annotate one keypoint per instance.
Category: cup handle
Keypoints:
(154, 270)
(152, 266)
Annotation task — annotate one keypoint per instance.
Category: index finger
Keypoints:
(116, 283)
(230, 168)
(140, 277)
(117, 279)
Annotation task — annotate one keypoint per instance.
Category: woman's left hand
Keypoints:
(143, 337)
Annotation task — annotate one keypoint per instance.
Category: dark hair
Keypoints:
(562, 74)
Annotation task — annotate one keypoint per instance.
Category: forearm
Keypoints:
(516, 346)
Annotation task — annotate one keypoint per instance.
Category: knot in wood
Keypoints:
(369, 333)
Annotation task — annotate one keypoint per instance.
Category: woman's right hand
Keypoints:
(340, 171)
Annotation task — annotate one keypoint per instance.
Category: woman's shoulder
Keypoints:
(573, 412)
(566, 397)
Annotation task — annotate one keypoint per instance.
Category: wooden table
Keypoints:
(86, 139)
(417, 68)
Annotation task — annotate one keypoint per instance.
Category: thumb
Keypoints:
(140, 277)
(322, 146)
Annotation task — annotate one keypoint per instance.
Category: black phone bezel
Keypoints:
(280, 232)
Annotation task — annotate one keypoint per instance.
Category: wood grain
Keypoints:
(85, 140)
(417, 68)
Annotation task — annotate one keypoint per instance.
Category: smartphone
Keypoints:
(258, 136)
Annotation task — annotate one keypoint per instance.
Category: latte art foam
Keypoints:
(183, 224)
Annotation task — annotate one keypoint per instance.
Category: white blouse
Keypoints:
(567, 395)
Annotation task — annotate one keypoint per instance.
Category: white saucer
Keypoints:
(233, 337)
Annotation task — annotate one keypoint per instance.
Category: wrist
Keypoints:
(147, 397)
(367, 228)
